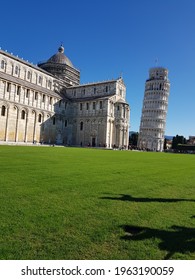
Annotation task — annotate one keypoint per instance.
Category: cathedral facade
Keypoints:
(47, 104)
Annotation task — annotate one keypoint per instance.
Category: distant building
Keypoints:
(47, 104)
(154, 111)
(191, 140)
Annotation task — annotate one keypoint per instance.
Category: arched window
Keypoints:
(16, 70)
(40, 118)
(40, 79)
(81, 125)
(23, 113)
(3, 110)
(28, 75)
(49, 84)
(2, 64)
(54, 120)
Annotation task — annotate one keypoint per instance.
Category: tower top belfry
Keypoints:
(158, 73)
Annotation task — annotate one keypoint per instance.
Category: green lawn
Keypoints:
(77, 203)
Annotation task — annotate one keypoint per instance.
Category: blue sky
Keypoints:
(107, 38)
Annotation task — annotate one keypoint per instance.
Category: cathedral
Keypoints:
(46, 104)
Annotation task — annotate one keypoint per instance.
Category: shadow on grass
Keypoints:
(127, 197)
(177, 239)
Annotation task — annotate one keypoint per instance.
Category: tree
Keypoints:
(133, 138)
(178, 140)
(165, 144)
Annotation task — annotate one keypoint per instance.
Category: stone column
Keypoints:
(17, 119)
(34, 131)
(26, 129)
(7, 125)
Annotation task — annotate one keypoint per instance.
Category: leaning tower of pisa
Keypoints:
(154, 111)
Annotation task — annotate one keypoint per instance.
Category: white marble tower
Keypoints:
(154, 111)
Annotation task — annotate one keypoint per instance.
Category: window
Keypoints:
(28, 75)
(43, 100)
(27, 93)
(66, 123)
(40, 79)
(93, 105)
(87, 106)
(23, 115)
(18, 90)
(54, 120)
(81, 126)
(36, 95)
(2, 64)
(49, 84)
(16, 70)
(8, 87)
(124, 112)
(100, 104)
(40, 118)
(94, 90)
(50, 100)
(81, 106)
(3, 110)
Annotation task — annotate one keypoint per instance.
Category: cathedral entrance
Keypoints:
(93, 142)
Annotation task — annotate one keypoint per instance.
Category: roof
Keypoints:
(60, 58)
(122, 101)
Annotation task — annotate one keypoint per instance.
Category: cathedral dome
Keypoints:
(60, 66)
(60, 58)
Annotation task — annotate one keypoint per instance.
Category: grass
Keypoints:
(74, 203)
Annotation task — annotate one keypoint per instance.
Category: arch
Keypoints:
(34, 112)
(23, 112)
(15, 107)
